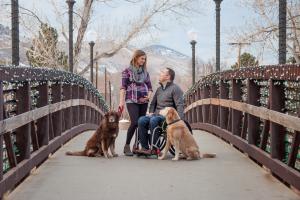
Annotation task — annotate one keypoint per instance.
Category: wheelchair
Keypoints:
(159, 145)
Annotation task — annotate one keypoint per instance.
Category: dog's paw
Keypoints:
(115, 155)
(175, 159)
(108, 156)
(160, 158)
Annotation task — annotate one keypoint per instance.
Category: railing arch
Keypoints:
(40, 110)
(257, 110)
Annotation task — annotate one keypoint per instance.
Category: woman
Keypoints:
(136, 90)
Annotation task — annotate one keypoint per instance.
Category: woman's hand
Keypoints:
(121, 104)
(144, 99)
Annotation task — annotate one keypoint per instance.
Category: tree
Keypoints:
(44, 50)
(127, 29)
(291, 60)
(262, 29)
(247, 60)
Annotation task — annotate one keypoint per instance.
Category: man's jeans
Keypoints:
(144, 124)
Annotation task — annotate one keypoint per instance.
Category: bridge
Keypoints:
(247, 116)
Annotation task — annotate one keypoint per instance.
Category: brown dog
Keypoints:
(180, 137)
(103, 138)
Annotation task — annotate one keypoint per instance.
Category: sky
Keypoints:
(173, 33)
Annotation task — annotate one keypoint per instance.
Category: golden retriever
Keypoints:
(180, 137)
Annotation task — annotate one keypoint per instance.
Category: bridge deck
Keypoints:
(229, 176)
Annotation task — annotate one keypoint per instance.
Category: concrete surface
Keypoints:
(229, 176)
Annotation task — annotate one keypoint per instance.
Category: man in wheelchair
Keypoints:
(167, 95)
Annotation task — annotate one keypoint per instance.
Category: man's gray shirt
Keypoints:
(170, 96)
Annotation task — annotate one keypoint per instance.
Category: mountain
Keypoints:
(165, 51)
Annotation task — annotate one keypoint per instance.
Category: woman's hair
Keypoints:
(136, 55)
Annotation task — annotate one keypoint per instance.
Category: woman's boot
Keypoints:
(127, 150)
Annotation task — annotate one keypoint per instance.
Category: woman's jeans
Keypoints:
(146, 123)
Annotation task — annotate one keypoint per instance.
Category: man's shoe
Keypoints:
(144, 151)
(127, 151)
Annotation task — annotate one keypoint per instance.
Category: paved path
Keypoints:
(229, 176)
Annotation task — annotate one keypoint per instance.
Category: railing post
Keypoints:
(277, 131)
(82, 107)
(205, 108)
(57, 116)
(1, 136)
(23, 133)
(213, 108)
(223, 111)
(199, 108)
(236, 118)
(194, 110)
(92, 109)
(67, 91)
(43, 123)
(253, 122)
(294, 147)
(88, 109)
(190, 111)
(75, 109)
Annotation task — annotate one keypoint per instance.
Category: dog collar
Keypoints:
(175, 121)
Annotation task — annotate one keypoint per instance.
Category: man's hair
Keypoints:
(171, 73)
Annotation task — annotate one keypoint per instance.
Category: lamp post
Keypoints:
(92, 36)
(70, 11)
(193, 37)
(92, 43)
(282, 32)
(218, 11)
(15, 32)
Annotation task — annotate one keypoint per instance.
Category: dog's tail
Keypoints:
(75, 153)
(208, 155)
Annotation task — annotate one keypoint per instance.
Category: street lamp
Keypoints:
(218, 10)
(282, 32)
(15, 32)
(193, 35)
(70, 11)
(92, 36)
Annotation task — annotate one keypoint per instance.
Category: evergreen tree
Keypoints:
(44, 51)
(247, 60)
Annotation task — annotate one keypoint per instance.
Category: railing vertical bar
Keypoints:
(253, 92)
(57, 117)
(43, 123)
(23, 133)
(75, 109)
(294, 147)
(82, 112)
(236, 118)
(276, 95)
(223, 112)
(213, 108)
(199, 108)
(67, 91)
(1, 136)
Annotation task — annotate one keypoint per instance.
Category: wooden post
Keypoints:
(205, 108)
(236, 118)
(57, 116)
(43, 123)
(75, 109)
(93, 111)
(253, 122)
(88, 109)
(1, 136)
(23, 133)
(223, 112)
(213, 108)
(194, 110)
(277, 131)
(199, 108)
(67, 91)
(82, 108)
